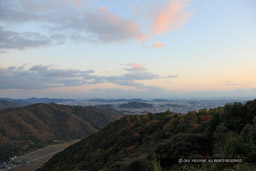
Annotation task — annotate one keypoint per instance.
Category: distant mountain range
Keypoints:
(34, 100)
(26, 128)
(126, 100)
(136, 105)
(116, 100)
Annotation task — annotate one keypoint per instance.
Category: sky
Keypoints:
(128, 49)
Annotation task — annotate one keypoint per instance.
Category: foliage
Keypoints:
(32, 127)
(7, 104)
(157, 141)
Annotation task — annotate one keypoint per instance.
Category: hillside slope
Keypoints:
(7, 104)
(110, 108)
(34, 126)
(157, 142)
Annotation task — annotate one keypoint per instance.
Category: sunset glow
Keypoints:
(114, 49)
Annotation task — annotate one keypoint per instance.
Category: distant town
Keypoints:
(135, 105)
(140, 106)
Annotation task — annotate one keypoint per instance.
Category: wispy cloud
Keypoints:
(60, 20)
(15, 40)
(135, 67)
(230, 83)
(172, 76)
(44, 77)
(41, 77)
(170, 16)
(136, 72)
(108, 27)
(62, 17)
(158, 45)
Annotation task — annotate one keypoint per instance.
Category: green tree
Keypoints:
(219, 136)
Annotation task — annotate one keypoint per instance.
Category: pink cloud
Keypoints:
(78, 2)
(60, 20)
(110, 27)
(158, 45)
(72, 19)
(137, 66)
(170, 17)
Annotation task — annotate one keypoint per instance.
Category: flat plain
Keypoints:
(37, 158)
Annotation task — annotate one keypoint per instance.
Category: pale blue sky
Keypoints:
(208, 48)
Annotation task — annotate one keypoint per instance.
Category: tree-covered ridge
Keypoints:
(110, 108)
(35, 126)
(156, 142)
(7, 104)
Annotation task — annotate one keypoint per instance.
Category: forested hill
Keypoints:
(31, 127)
(157, 141)
(7, 104)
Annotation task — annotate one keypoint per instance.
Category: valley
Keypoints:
(36, 126)
(35, 159)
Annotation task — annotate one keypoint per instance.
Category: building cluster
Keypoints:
(175, 106)
(12, 163)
